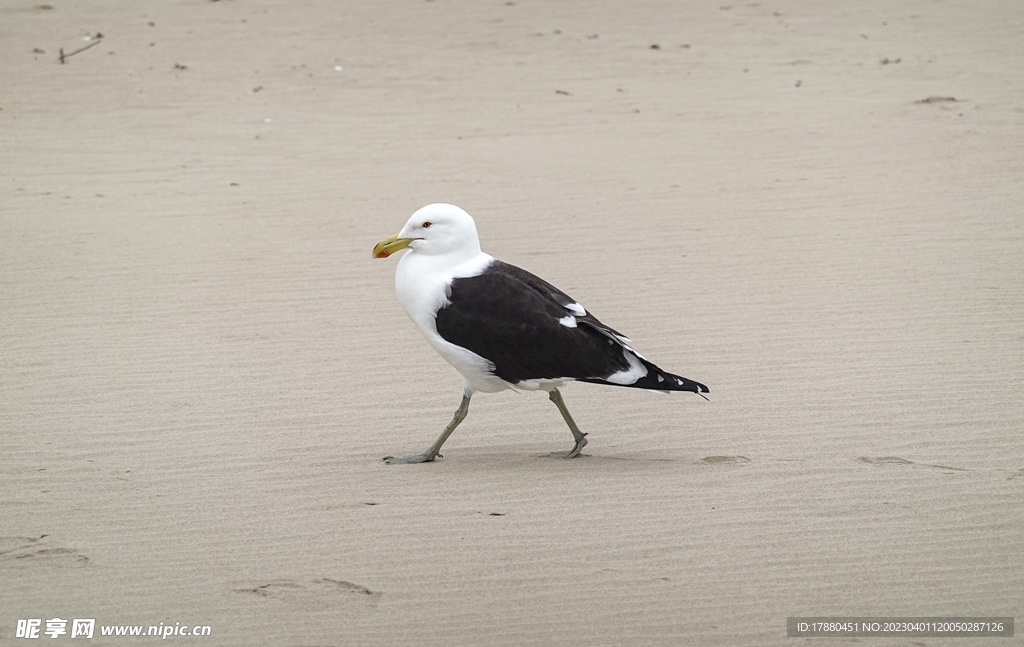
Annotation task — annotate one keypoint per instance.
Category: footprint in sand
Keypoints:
(716, 460)
(896, 460)
(884, 460)
(38, 552)
(311, 594)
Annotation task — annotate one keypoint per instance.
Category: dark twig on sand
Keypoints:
(80, 49)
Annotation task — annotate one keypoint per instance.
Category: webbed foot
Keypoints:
(577, 448)
(425, 457)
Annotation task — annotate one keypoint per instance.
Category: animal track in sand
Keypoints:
(316, 594)
(38, 552)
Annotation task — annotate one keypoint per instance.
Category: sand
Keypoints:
(814, 208)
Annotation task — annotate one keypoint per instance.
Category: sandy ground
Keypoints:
(201, 366)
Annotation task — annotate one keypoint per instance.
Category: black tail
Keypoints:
(659, 380)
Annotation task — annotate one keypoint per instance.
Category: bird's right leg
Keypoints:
(577, 435)
(435, 449)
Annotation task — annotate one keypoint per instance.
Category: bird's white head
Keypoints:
(434, 230)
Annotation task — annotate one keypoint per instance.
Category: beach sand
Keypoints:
(813, 208)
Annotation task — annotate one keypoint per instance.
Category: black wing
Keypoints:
(546, 289)
(512, 318)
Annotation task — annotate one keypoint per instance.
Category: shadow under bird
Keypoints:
(502, 327)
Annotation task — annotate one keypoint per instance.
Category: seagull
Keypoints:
(501, 327)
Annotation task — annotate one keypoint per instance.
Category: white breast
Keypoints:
(421, 282)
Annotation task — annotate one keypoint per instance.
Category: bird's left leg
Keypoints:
(577, 435)
(435, 449)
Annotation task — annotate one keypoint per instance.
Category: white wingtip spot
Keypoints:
(679, 381)
(568, 321)
(576, 309)
(661, 378)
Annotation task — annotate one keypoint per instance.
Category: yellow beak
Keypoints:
(390, 245)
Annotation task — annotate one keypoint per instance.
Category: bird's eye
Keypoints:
(426, 225)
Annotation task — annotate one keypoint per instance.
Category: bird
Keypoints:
(502, 327)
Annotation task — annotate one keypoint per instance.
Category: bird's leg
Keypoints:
(577, 435)
(434, 451)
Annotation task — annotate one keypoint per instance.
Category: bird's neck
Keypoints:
(439, 264)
